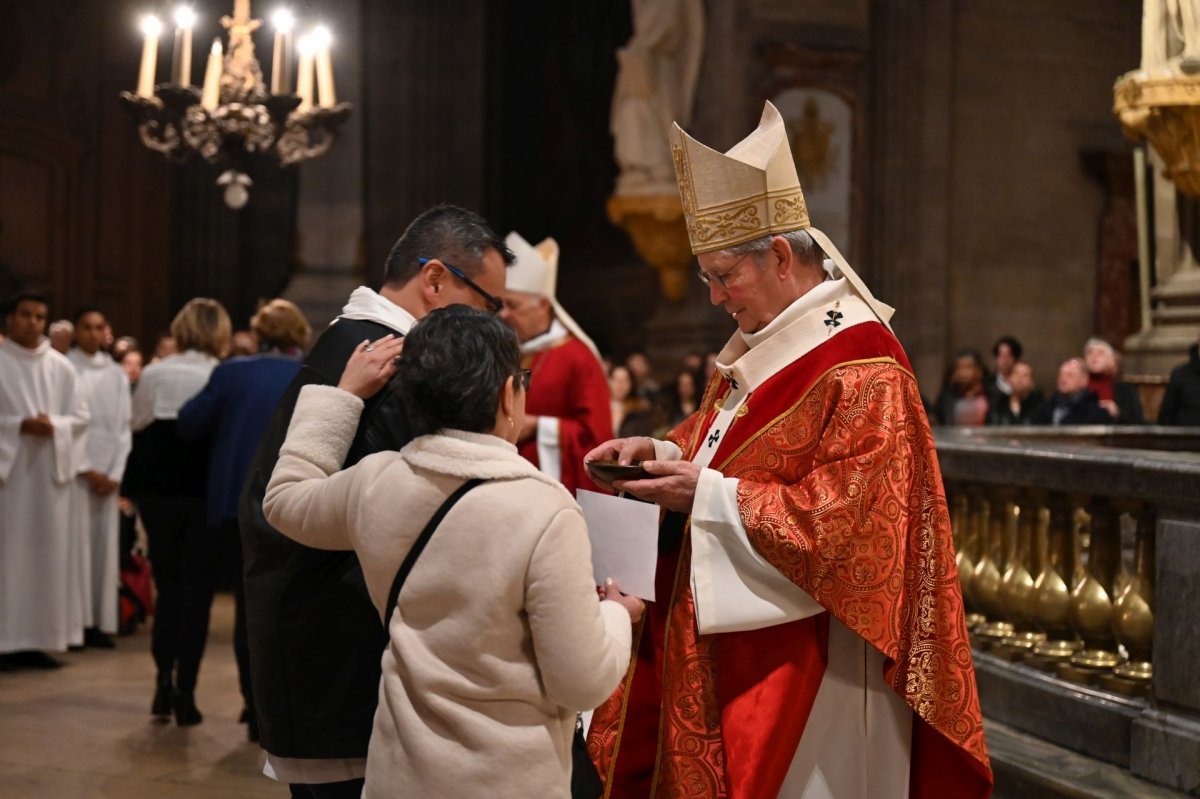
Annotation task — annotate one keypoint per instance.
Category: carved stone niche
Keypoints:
(822, 94)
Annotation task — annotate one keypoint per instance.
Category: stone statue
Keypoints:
(1171, 35)
(656, 84)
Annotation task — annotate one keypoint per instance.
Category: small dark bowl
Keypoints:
(608, 471)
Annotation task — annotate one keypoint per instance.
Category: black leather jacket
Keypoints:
(315, 638)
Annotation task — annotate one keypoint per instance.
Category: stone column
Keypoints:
(1175, 319)
(912, 51)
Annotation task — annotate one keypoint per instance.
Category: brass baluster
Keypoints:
(989, 572)
(1133, 616)
(1017, 585)
(964, 516)
(1052, 588)
(1091, 610)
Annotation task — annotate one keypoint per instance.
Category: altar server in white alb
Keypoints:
(108, 442)
(43, 418)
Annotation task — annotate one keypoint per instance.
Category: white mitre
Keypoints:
(535, 271)
(751, 191)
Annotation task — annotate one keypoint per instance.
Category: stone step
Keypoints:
(1027, 767)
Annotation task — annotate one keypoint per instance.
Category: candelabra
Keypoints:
(234, 119)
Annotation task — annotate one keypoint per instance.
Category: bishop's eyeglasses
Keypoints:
(707, 277)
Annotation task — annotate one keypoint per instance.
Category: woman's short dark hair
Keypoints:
(453, 368)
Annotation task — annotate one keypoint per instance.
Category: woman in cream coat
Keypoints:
(498, 637)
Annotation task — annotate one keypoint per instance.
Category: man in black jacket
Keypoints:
(1073, 403)
(1181, 402)
(315, 638)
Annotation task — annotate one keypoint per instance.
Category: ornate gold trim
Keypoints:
(755, 436)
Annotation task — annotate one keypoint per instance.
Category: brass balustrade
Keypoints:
(1091, 607)
(1039, 518)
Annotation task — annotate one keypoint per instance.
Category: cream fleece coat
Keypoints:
(497, 638)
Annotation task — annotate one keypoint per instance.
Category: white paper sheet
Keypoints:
(624, 535)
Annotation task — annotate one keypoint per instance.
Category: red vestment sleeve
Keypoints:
(856, 516)
(588, 421)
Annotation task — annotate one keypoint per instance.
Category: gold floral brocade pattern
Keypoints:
(791, 212)
(844, 496)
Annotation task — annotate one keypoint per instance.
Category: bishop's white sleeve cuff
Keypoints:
(734, 587)
(666, 451)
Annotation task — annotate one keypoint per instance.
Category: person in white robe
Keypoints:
(43, 418)
(108, 443)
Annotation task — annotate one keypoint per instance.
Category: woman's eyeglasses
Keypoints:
(523, 377)
(495, 305)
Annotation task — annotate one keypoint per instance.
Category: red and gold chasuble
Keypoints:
(839, 489)
(568, 384)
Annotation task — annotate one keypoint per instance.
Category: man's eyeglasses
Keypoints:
(495, 305)
(707, 277)
(523, 377)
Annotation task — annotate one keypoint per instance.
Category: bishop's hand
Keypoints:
(673, 485)
(621, 450)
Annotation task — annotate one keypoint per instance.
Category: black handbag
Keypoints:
(585, 780)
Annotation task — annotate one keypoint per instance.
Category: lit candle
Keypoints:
(181, 71)
(304, 73)
(321, 42)
(211, 97)
(281, 63)
(151, 28)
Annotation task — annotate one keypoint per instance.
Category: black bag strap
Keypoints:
(419, 546)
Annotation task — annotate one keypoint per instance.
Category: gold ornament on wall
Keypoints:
(1165, 111)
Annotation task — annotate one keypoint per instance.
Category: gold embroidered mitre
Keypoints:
(751, 191)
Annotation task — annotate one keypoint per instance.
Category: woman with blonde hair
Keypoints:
(478, 564)
(230, 415)
(165, 478)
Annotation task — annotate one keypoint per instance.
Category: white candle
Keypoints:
(281, 63)
(211, 97)
(151, 28)
(321, 42)
(304, 74)
(185, 18)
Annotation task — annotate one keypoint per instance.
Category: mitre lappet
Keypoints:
(535, 271)
(751, 191)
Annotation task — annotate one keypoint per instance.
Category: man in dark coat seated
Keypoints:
(315, 638)
(1181, 403)
(1074, 402)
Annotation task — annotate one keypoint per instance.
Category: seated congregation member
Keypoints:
(497, 637)
(166, 477)
(231, 414)
(1006, 353)
(314, 637)
(964, 399)
(632, 413)
(1022, 400)
(1073, 402)
(1118, 398)
(1181, 402)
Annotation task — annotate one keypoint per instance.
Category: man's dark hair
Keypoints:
(28, 295)
(451, 234)
(84, 311)
(1013, 345)
(453, 369)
